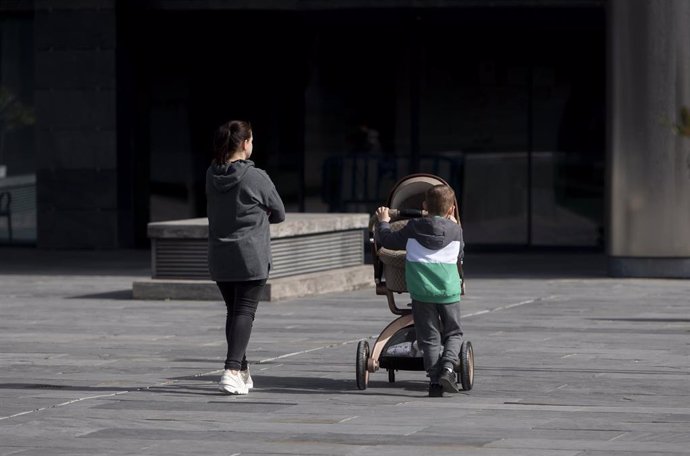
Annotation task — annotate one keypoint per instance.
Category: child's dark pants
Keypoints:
(439, 335)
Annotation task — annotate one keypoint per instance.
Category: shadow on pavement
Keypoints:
(535, 265)
(564, 263)
(34, 261)
(313, 385)
(119, 295)
(48, 386)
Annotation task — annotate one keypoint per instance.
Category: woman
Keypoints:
(242, 202)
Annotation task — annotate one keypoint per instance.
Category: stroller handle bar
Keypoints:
(397, 213)
(410, 213)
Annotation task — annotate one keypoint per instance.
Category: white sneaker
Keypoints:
(247, 379)
(232, 383)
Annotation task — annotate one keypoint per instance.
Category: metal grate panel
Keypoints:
(318, 252)
(180, 258)
(187, 258)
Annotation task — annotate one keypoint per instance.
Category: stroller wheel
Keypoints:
(466, 373)
(391, 376)
(361, 366)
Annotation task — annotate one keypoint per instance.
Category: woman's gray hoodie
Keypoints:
(241, 203)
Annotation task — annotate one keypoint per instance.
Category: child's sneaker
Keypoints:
(247, 378)
(447, 380)
(232, 383)
(435, 390)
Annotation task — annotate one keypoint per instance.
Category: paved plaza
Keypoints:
(568, 362)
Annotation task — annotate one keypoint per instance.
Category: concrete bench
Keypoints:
(312, 254)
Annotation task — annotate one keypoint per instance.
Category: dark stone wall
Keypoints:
(75, 102)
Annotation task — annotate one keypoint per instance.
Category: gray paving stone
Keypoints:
(568, 363)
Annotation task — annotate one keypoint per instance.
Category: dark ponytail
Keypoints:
(229, 138)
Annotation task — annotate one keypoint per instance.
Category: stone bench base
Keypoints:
(336, 280)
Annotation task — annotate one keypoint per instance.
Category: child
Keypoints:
(434, 246)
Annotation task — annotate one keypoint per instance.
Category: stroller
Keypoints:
(396, 347)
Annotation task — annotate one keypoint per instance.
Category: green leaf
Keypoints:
(13, 113)
(684, 117)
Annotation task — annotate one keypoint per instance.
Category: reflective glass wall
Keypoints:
(17, 139)
(506, 104)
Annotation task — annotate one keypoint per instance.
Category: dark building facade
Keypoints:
(524, 107)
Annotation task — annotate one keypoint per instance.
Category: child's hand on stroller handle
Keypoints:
(382, 214)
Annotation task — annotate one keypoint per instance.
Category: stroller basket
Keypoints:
(394, 264)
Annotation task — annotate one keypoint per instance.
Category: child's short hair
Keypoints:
(439, 199)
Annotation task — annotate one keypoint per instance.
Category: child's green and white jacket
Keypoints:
(434, 247)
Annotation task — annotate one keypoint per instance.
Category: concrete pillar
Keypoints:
(76, 166)
(649, 166)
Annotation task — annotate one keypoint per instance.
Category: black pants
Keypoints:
(439, 335)
(241, 300)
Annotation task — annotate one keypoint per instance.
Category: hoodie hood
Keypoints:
(225, 177)
(435, 232)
